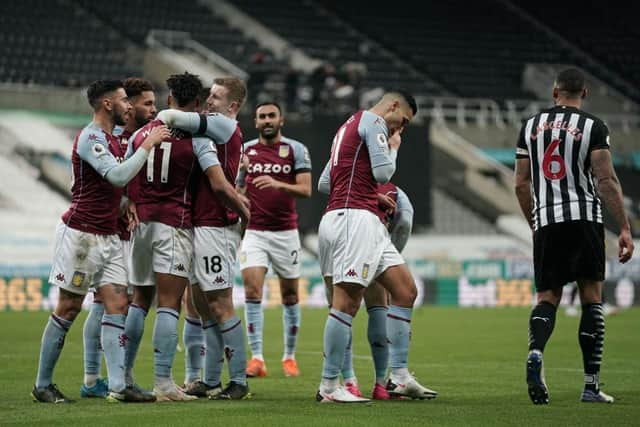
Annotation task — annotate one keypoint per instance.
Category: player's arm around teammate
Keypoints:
(88, 252)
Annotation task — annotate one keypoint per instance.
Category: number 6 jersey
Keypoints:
(558, 143)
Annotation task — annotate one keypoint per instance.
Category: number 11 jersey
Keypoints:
(162, 189)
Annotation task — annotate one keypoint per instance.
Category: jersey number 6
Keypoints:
(553, 164)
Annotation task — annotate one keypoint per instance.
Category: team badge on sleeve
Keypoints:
(382, 139)
(98, 149)
(283, 151)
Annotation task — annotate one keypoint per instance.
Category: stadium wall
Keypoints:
(462, 283)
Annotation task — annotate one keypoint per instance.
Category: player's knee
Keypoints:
(69, 310)
(252, 292)
(290, 298)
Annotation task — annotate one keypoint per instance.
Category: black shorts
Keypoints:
(566, 252)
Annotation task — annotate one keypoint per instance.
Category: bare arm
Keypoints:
(610, 191)
(225, 192)
(523, 189)
(302, 187)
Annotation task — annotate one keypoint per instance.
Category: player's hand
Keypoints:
(157, 135)
(625, 246)
(265, 181)
(386, 202)
(244, 163)
(395, 139)
(132, 215)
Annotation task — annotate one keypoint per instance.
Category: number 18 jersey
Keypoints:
(558, 143)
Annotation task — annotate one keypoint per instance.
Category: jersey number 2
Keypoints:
(164, 167)
(553, 164)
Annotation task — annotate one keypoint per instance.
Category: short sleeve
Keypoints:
(93, 148)
(373, 131)
(599, 136)
(206, 152)
(522, 152)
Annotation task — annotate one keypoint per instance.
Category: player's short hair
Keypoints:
(275, 104)
(184, 88)
(134, 86)
(99, 88)
(407, 97)
(571, 81)
(236, 87)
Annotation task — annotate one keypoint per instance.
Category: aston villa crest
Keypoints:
(283, 151)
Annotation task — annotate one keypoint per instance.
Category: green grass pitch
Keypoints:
(473, 357)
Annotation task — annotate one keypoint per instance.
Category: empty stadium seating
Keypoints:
(57, 43)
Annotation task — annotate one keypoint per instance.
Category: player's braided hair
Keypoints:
(184, 88)
(134, 86)
(99, 88)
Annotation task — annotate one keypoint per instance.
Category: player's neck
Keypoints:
(270, 141)
(131, 127)
(568, 102)
(104, 122)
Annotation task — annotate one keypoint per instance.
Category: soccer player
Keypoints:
(396, 213)
(559, 153)
(355, 248)
(141, 96)
(278, 172)
(88, 252)
(163, 244)
(217, 234)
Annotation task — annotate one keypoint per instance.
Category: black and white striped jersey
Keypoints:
(558, 142)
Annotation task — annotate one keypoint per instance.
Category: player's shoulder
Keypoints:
(251, 143)
(92, 134)
(293, 142)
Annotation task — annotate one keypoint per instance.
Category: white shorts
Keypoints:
(281, 249)
(84, 260)
(159, 248)
(215, 252)
(354, 246)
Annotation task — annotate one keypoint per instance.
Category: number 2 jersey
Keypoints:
(558, 142)
(162, 189)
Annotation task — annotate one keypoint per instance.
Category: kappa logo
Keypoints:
(219, 280)
(203, 350)
(122, 340)
(179, 267)
(250, 328)
(228, 353)
(92, 137)
(293, 330)
(60, 277)
(252, 152)
(352, 273)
